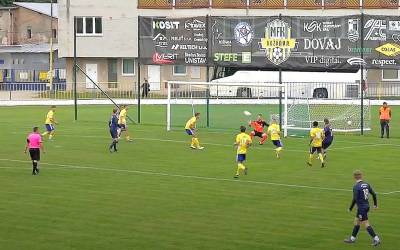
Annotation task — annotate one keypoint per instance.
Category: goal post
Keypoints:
(224, 103)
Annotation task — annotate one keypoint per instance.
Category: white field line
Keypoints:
(225, 145)
(67, 166)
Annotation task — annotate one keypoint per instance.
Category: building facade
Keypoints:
(107, 34)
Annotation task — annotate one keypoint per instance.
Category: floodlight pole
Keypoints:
(75, 73)
(362, 74)
(51, 47)
(208, 72)
(280, 91)
(139, 76)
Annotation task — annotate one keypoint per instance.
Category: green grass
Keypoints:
(158, 194)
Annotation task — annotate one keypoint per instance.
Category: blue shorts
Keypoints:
(326, 144)
(189, 132)
(362, 213)
(114, 133)
(277, 143)
(49, 127)
(241, 157)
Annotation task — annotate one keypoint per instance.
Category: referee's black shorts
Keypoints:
(35, 154)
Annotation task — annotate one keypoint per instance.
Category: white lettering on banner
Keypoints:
(322, 43)
(383, 62)
(160, 41)
(325, 60)
(377, 30)
(166, 25)
(195, 25)
(315, 26)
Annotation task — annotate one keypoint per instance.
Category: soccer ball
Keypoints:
(349, 123)
(246, 113)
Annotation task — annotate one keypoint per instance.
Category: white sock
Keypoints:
(376, 238)
(352, 238)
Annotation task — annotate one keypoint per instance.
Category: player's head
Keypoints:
(274, 121)
(242, 129)
(115, 111)
(385, 104)
(197, 115)
(259, 117)
(35, 129)
(357, 175)
(326, 121)
(53, 107)
(315, 124)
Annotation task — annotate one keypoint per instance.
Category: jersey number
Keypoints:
(366, 194)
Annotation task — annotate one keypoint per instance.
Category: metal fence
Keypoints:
(64, 91)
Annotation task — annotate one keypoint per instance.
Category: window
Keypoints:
(390, 75)
(29, 33)
(128, 66)
(179, 70)
(91, 26)
(54, 33)
(195, 72)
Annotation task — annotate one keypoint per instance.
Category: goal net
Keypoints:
(222, 105)
(344, 115)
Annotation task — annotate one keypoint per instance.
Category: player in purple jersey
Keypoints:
(361, 192)
(328, 136)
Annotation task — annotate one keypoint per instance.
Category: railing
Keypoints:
(191, 4)
(386, 90)
(268, 4)
(155, 4)
(231, 4)
(376, 4)
(304, 4)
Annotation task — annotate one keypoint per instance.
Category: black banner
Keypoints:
(290, 43)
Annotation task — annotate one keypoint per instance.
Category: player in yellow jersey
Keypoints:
(275, 133)
(50, 122)
(317, 137)
(190, 128)
(243, 142)
(123, 127)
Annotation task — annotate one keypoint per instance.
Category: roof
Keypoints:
(42, 8)
(27, 48)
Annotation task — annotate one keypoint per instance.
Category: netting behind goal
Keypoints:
(221, 104)
(344, 115)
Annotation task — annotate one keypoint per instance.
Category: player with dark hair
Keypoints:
(361, 192)
(190, 128)
(317, 136)
(328, 137)
(34, 145)
(242, 142)
(113, 125)
(385, 115)
(258, 125)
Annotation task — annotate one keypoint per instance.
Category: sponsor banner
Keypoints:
(339, 43)
(173, 40)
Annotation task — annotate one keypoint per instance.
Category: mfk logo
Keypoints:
(356, 61)
(377, 30)
(166, 58)
(353, 30)
(160, 41)
(165, 25)
(195, 25)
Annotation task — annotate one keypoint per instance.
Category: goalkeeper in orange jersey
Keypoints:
(258, 125)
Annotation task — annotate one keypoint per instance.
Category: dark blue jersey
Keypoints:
(328, 133)
(361, 192)
(113, 123)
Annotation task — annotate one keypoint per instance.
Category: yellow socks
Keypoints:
(321, 157)
(310, 158)
(240, 167)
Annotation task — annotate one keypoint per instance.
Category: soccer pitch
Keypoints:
(156, 193)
